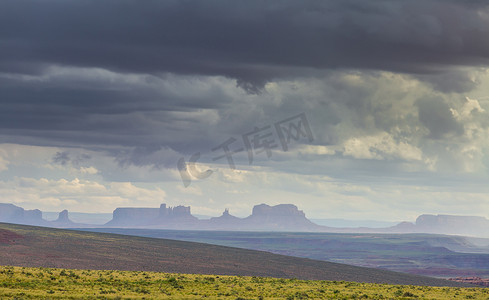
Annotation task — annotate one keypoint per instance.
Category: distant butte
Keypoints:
(281, 217)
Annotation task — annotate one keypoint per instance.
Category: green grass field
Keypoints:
(48, 283)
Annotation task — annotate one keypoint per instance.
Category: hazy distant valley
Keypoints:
(424, 254)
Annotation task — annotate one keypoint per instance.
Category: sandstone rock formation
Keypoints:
(224, 222)
(168, 217)
(446, 224)
(279, 217)
(63, 217)
(132, 216)
(284, 217)
(10, 213)
(63, 220)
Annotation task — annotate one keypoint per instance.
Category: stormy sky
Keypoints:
(383, 106)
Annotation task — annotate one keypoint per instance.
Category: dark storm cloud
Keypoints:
(252, 41)
(73, 109)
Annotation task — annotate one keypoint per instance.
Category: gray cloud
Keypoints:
(70, 107)
(159, 77)
(435, 114)
(61, 158)
(251, 41)
(65, 157)
(121, 90)
(456, 81)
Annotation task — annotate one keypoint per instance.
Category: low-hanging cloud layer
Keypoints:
(101, 99)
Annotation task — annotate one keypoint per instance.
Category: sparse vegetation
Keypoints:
(48, 283)
(69, 249)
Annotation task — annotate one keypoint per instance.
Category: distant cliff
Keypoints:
(283, 217)
(10, 213)
(132, 216)
(445, 224)
(63, 220)
(225, 222)
(168, 217)
(463, 225)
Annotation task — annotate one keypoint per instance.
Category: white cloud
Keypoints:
(191, 190)
(77, 195)
(471, 106)
(88, 170)
(379, 147)
(3, 160)
(315, 150)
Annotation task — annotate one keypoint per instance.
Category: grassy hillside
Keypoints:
(24, 283)
(30, 246)
(422, 254)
